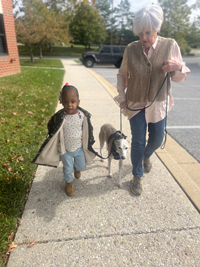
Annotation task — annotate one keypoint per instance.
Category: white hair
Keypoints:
(148, 17)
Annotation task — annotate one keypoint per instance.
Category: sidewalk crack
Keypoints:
(106, 236)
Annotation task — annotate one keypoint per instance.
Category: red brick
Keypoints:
(6, 67)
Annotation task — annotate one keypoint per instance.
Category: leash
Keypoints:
(139, 109)
(115, 136)
(165, 139)
(120, 120)
(120, 132)
(97, 154)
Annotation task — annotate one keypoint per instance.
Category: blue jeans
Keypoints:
(72, 160)
(139, 148)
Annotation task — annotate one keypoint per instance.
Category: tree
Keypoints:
(60, 6)
(119, 21)
(38, 25)
(193, 36)
(127, 36)
(124, 17)
(105, 10)
(55, 5)
(123, 13)
(196, 5)
(176, 22)
(87, 26)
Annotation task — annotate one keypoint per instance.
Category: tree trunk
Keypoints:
(50, 47)
(40, 49)
(120, 38)
(31, 53)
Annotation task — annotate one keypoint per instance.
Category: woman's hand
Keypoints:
(123, 105)
(171, 65)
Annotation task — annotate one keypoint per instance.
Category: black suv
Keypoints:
(107, 54)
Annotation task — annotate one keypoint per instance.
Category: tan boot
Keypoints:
(69, 189)
(136, 187)
(147, 165)
(77, 174)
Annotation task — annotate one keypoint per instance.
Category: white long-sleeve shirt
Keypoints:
(157, 111)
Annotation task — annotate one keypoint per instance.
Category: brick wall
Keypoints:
(9, 64)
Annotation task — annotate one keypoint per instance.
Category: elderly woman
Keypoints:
(145, 64)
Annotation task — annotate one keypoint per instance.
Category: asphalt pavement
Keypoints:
(104, 225)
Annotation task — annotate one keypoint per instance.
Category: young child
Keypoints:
(70, 138)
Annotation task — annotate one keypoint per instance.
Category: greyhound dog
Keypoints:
(117, 147)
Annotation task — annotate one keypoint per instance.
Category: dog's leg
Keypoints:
(120, 172)
(109, 167)
(102, 160)
(101, 141)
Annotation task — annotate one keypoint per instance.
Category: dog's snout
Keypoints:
(123, 157)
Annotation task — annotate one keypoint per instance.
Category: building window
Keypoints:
(3, 44)
(116, 50)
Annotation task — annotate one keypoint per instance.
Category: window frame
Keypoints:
(116, 49)
(3, 37)
(106, 48)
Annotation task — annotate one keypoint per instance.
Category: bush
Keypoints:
(184, 47)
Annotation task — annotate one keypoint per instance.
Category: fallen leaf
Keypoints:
(14, 113)
(14, 156)
(11, 246)
(12, 235)
(30, 112)
(10, 169)
(21, 158)
(6, 164)
(32, 244)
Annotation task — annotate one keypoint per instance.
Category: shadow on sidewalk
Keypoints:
(48, 191)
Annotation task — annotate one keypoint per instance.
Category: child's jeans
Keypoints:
(73, 160)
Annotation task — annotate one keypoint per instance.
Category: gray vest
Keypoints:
(146, 75)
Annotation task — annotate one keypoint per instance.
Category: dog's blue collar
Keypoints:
(115, 154)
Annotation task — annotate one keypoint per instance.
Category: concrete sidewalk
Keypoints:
(103, 225)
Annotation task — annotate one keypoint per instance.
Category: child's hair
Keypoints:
(65, 88)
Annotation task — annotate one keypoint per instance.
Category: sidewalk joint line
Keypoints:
(108, 235)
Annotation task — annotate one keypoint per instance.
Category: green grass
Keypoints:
(77, 61)
(27, 101)
(57, 51)
(56, 63)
